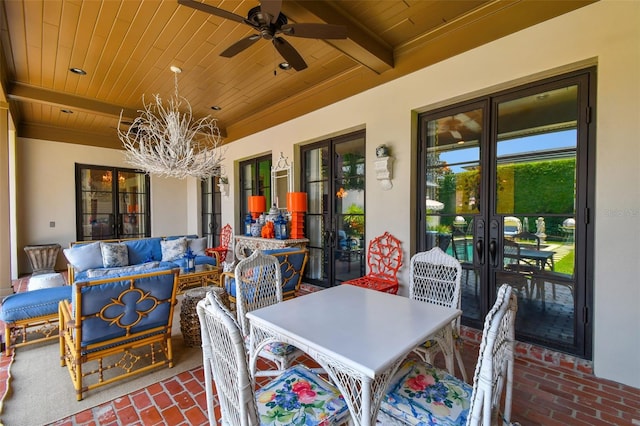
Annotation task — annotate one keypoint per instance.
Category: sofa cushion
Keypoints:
(31, 304)
(125, 270)
(144, 250)
(114, 254)
(84, 256)
(173, 249)
(197, 245)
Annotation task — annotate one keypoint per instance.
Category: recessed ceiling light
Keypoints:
(66, 111)
(284, 66)
(78, 71)
(216, 108)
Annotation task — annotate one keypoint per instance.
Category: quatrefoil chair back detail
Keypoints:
(258, 283)
(298, 396)
(384, 259)
(434, 277)
(422, 394)
(117, 326)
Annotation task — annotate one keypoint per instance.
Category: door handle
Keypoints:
(493, 251)
(479, 251)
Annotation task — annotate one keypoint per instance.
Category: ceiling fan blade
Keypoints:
(289, 53)
(240, 45)
(212, 10)
(272, 7)
(326, 31)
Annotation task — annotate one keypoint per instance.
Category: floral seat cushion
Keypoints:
(276, 348)
(299, 397)
(423, 395)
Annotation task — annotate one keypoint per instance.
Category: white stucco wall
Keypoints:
(46, 193)
(606, 34)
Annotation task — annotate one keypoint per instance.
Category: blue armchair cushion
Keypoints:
(144, 250)
(121, 307)
(31, 304)
(291, 261)
(84, 256)
(114, 255)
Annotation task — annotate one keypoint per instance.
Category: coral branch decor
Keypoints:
(165, 142)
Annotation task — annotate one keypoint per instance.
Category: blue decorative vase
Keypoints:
(256, 229)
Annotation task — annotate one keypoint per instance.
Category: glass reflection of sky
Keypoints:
(461, 158)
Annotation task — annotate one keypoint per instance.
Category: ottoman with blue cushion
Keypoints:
(32, 316)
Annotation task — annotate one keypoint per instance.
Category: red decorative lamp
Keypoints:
(257, 205)
(297, 205)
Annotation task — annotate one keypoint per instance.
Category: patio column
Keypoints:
(5, 203)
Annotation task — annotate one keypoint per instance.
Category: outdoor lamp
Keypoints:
(257, 205)
(297, 205)
(191, 260)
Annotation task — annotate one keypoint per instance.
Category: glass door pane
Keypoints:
(132, 204)
(452, 186)
(535, 199)
(96, 215)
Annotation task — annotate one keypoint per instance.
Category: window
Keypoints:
(255, 179)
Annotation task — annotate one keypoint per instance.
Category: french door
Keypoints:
(111, 203)
(211, 210)
(507, 190)
(333, 176)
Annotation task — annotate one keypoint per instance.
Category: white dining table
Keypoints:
(357, 335)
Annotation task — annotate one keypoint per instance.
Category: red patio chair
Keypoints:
(221, 250)
(384, 258)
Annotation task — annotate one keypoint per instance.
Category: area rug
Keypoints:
(41, 391)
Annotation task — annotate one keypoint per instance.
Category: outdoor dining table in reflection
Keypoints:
(359, 336)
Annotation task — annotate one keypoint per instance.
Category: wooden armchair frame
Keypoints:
(117, 327)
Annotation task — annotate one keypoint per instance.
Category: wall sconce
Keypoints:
(384, 167)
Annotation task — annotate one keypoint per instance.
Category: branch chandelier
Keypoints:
(164, 142)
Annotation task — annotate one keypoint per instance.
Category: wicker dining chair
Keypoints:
(434, 277)
(422, 394)
(258, 281)
(298, 396)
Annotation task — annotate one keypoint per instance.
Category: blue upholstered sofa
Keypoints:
(95, 259)
(292, 263)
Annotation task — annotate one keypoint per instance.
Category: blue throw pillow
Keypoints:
(114, 254)
(144, 250)
(84, 256)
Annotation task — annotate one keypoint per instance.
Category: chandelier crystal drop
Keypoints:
(163, 141)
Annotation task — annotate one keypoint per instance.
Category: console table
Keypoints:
(244, 244)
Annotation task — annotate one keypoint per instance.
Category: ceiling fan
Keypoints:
(269, 22)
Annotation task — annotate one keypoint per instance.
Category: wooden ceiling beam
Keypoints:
(24, 92)
(53, 133)
(361, 45)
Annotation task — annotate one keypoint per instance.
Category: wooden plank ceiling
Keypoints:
(127, 48)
